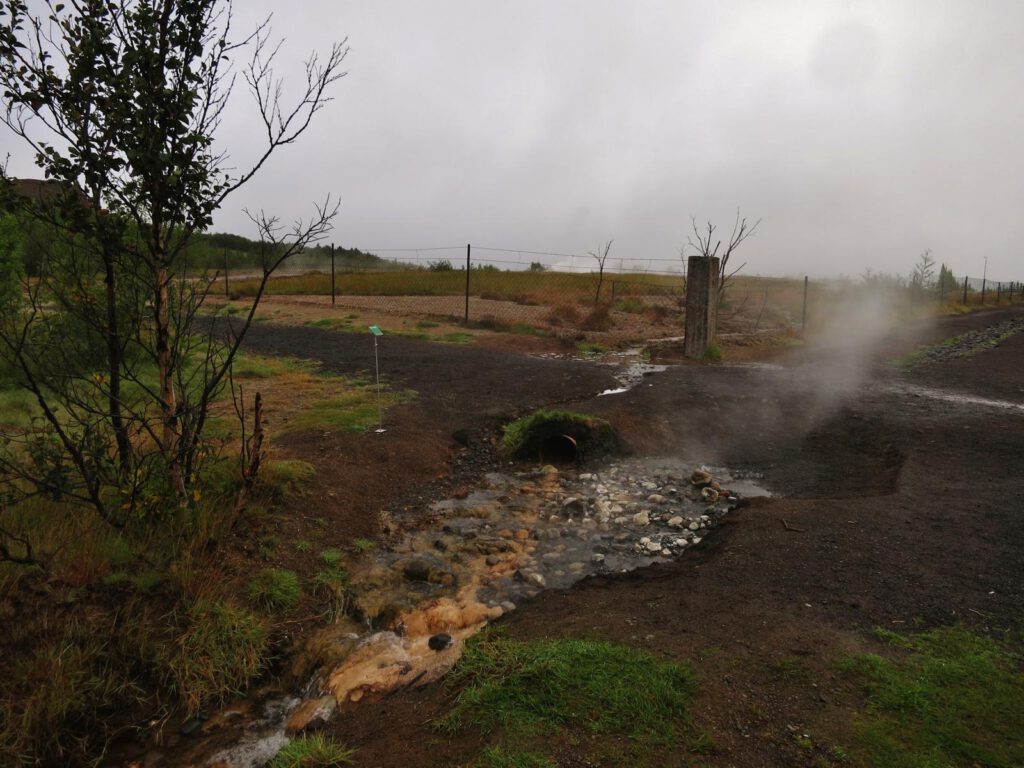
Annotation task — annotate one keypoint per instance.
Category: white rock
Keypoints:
(696, 540)
(694, 526)
(620, 520)
(642, 518)
(597, 558)
(676, 521)
(656, 498)
(653, 546)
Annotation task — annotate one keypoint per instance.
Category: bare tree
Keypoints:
(707, 245)
(601, 256)
(923, 274)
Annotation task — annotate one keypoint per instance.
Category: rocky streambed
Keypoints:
(412, 606)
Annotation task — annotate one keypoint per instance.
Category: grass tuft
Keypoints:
(222, 648)
(524, 437)
(528, 690)
(275, 590)
(312, 751)
(285, 477)
(951, 698)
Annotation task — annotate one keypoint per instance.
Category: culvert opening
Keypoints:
(559, 450)
(558, 437)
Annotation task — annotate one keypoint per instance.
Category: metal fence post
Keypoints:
(803, 310)
(469, 266)
(964, 302)
(332, 274)
(227, 289)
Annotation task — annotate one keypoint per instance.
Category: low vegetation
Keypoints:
(312, 751)
(533, 698)
(274, 589)
(525, 437)
(947, 697)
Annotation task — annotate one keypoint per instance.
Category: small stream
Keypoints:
(413, 605)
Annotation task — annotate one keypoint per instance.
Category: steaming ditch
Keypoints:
(412, 606)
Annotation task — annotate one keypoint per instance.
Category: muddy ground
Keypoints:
(894, 509)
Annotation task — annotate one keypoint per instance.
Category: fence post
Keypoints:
(999, 292)
(701, 305)
(332, 274)
(803, 309)
(227, 288)
(942, 290)
(983, 283)
(468, 267)
(964, 302)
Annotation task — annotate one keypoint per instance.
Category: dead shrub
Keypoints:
(563, 314)
(599, 319)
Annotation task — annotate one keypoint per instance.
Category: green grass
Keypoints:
(354, 411)
(332, 556)
(456, 337)
(57, 702)
(362, 545)
(285, 477)
(275, 590)
(525, 693)
(713, 353)
(424, 324)
(312, 751)
(17, 408)
(948, 697)
(590, 349)
(252, 366)
(523, 437)
(222, 648)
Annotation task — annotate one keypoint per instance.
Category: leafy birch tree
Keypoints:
(120, 102)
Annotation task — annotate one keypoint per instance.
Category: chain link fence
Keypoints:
(575, 295)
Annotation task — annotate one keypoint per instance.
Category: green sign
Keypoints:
(376, 331)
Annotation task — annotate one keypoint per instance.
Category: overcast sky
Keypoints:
(861, 133)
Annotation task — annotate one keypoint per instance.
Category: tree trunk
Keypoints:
(168, 403)
(124, 448)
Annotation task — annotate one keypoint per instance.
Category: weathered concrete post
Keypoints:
(701, 304)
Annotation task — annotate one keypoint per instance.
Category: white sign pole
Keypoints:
(376, 364)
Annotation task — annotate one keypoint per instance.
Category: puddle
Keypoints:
(484, 554)
(631, 367)
(957, 398)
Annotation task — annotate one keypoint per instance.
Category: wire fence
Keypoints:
(537, 292)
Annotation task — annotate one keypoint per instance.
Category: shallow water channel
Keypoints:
(415, 604)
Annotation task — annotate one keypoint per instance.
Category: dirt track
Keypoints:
(896, 510)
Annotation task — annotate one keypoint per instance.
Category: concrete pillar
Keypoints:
(701, 304)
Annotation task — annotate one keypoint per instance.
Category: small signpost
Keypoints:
(376, 364)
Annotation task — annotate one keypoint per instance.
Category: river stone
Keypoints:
(439, 642)
(694, 526)
(676, 521)
(597, 558)
(656, 498)
(700, 478)
(573, 504)
(311, 713)
(420, 569)
(696, 540)
(642, 518)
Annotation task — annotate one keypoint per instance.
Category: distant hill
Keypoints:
(209, 250)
